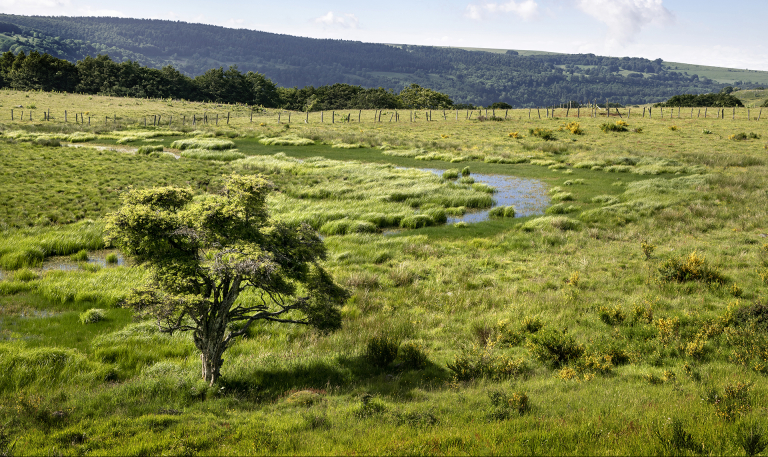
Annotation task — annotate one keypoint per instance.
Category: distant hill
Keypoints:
(479, 77)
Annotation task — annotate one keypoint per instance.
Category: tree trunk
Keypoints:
(209, 339)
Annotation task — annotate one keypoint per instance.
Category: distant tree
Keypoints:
(727, 90)
(203, 253)
(710, 100)
(264, 91)
(419, 97)
(500, 105)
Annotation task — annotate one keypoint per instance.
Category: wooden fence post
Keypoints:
(65, 115)
(529, 112)
(227, 117)
(759, 114)
(538, 111)
(251, 114)
(705, 111)
(359, 115)
(333, 117)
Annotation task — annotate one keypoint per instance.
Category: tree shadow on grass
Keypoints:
(340, 375)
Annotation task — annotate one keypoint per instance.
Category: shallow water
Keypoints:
(95, 257)
(529, 196)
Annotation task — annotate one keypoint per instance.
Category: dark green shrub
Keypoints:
(756, 313)
(381, 351)
(554, 348)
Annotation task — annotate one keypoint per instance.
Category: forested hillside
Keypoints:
(475, 77)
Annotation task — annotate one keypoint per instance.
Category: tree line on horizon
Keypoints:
(467, 77)
(102, 76)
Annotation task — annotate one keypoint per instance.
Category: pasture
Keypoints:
(628, 316)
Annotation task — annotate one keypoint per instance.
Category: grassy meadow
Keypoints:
(629, 317)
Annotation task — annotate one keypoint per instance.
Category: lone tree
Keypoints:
(204, 252)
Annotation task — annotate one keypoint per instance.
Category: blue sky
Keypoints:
(706, 32)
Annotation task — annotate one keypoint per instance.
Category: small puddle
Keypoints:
(530, 197)
(65, 263)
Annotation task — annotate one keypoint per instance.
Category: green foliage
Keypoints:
(554, 348)
(202, 254)
(148, 149)
(505, 406)
(722, 100)
(208, 154)
(111, 258)
(502, 211)
(452, 173)
(544, 134)
(617, 127)
(694, 267)
(478, 362)
(79, 256)
(417, 97)
(203, 143)
(751, 437)
(733, 402)
(92, 316)
(413, 355)
(381, 351)
(678, 440)
(288, 140)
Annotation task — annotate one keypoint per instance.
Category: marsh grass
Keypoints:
(514, 278)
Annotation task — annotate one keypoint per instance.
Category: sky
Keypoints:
(705, 32)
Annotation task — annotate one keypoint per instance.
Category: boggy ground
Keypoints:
(629, 318)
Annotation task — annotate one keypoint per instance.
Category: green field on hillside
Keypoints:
(623, 312)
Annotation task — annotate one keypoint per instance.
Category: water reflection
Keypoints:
(528, 196)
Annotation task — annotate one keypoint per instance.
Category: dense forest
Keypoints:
(101, 75)
(178, 49)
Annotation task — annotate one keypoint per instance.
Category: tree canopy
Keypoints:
(204, 253)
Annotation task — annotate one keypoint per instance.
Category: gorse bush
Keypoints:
(694, 267)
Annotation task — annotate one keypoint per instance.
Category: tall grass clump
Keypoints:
(203, 143)
(544, 134)
(288, 140)
(29, 247)
(92, 316)
(210, 154)
(45, 367)
(145, 150)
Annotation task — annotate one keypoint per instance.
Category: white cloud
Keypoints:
(526, 9)
(626, 18)
(348, 21)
